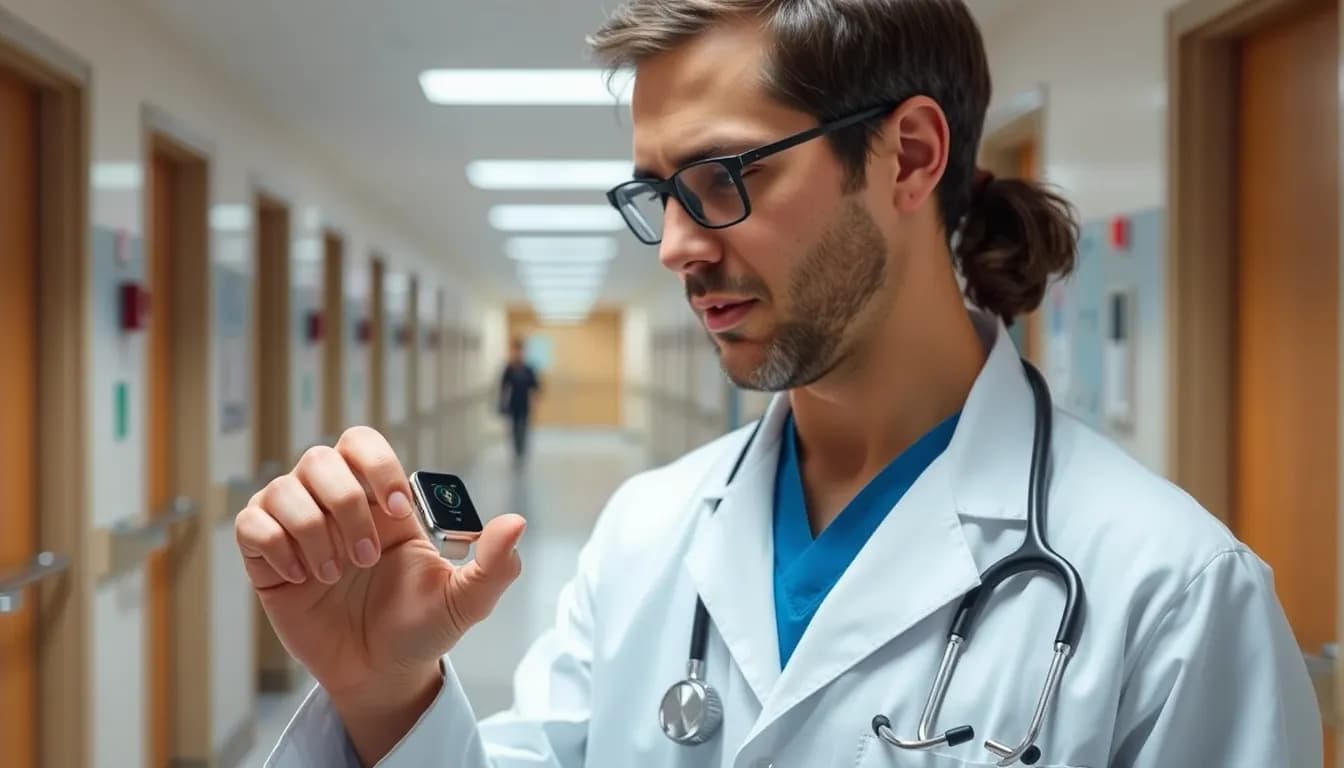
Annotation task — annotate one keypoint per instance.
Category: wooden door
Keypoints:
(161, 451)
(377, 387)
(1285, 499)
(333, 336)
(18, 407)
(271, 428)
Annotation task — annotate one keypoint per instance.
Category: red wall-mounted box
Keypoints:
(314, 327)
(133, 300)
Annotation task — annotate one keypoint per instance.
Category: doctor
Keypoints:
(831, 547)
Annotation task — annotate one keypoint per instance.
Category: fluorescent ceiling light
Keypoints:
(524, 87)
(230, 218)
(563, 302)
(548, 174)
(556, 218)
(117, 176)
(567, 250)
(562, 281)
(544, 272)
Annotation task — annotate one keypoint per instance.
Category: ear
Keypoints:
(915, 143)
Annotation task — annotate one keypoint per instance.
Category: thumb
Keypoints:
(476, 587)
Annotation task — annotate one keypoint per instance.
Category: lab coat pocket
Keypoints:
(875, 753)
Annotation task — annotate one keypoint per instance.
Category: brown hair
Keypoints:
(832, 58)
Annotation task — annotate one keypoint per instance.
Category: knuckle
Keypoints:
(357, 436)
(348, 498)
(382, 464)
(314, 458)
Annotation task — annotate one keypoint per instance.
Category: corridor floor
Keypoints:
(560, 490)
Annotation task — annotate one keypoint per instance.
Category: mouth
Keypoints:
(721, 317)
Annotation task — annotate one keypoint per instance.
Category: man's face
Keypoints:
(782, 292)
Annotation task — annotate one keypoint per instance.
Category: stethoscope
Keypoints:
(691, 712)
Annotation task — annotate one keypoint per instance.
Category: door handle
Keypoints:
(13, 583)
(1325, 678)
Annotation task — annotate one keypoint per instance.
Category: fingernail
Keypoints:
(297, 574)
(365, 553)
(398, 505)
(330, 573)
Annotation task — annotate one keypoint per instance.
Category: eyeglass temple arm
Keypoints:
(756, 154)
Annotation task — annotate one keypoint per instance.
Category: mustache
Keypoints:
(704, 283)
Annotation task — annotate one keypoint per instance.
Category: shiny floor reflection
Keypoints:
(560, 489)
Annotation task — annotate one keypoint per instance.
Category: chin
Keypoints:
(741, 360)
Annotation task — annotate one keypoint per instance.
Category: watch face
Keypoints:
(445, 500)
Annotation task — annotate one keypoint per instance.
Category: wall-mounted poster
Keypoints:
(231, 302)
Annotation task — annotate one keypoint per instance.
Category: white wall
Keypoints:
(636, 348)
(494, 330)
(134, 64)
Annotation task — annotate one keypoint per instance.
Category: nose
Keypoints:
(685, 243)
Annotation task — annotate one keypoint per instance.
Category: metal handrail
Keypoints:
(128, 542)
(13, 583)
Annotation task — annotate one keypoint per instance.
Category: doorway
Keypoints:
(377, 339)
(177, 578)
(409, 342)
(1255, 152)
(45, 594)
(18, 413)
(333, 337)
(271, 432)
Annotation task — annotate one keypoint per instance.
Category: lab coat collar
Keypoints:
(990, 451)
(991, 444)
(983, 473)
(731, 557)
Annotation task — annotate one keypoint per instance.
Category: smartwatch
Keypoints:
(446, 513)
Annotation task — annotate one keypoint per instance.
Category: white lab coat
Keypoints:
(1185, 660)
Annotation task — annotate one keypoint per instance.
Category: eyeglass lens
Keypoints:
(709, 193)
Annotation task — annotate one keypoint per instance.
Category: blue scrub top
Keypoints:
(805, 568)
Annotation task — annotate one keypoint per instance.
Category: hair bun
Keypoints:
(1015, 237)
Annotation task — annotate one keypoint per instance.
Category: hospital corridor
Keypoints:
(563, 264)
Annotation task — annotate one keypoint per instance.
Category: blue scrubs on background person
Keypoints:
(807, 567)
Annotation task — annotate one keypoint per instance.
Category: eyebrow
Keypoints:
(726, 149)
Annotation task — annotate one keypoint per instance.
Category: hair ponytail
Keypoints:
(1015, 237)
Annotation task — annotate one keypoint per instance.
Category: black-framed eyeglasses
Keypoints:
(710, 190)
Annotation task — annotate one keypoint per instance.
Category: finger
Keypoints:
(480, 583)
(374, 462)
(333, 486)
(293, 507)
(267, 550)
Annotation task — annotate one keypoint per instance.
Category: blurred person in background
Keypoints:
(517, 386)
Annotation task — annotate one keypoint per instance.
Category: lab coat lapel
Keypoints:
(730, 560)
(918, 560)
(915, 563)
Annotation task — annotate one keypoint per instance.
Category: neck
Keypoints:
(914, 370)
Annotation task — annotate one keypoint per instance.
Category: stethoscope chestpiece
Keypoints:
(691, 712)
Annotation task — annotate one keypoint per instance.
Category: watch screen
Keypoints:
(446, 501)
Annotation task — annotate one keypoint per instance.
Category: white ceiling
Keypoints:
(345, 73)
